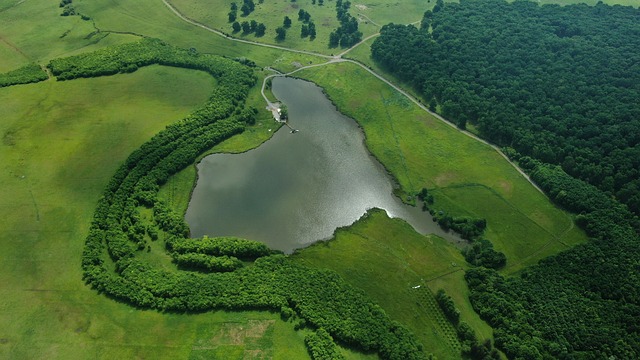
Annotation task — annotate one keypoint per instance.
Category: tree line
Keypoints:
(232, 273)
(470, 346)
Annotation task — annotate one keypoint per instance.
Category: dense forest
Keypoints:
(559, 88)
(561, 84)
(220, 273)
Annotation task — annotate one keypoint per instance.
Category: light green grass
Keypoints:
(61, 143)
(524, 237)
(34, 31)
(387, 259)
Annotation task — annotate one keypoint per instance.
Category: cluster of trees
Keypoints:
(318, 298)
(481, 253)
(281, 33)
(321, 346)
(247, 7)
(27, 74)
(347, 33)
(308, 27)
(249, 27)
(469, 228)
(304, 16)
(524, 75)
(67, 8)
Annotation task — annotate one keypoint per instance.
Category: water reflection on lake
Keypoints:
(296, 189)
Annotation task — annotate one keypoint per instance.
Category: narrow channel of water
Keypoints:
(296, 189)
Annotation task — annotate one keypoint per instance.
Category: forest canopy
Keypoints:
(560, 84)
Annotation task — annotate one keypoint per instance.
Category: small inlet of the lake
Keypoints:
(297, 188)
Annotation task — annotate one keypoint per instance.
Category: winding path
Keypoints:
(336, 59)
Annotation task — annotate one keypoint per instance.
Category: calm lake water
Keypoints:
(296, 189)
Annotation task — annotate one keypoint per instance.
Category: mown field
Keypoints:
(62, 141)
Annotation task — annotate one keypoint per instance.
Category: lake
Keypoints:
(296, 189)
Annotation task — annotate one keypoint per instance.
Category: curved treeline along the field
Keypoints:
(561, 84)
(226, 273)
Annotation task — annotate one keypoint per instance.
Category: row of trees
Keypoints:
(347, 33)
(220, 246)
(249, 27)
(319, 298)
(470, 345)
(195, 261)
(27, 74)
(524, 75)
(320, 346)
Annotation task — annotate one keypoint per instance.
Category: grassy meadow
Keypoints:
(152, 18)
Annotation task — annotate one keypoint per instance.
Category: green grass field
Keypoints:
(371, 15)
